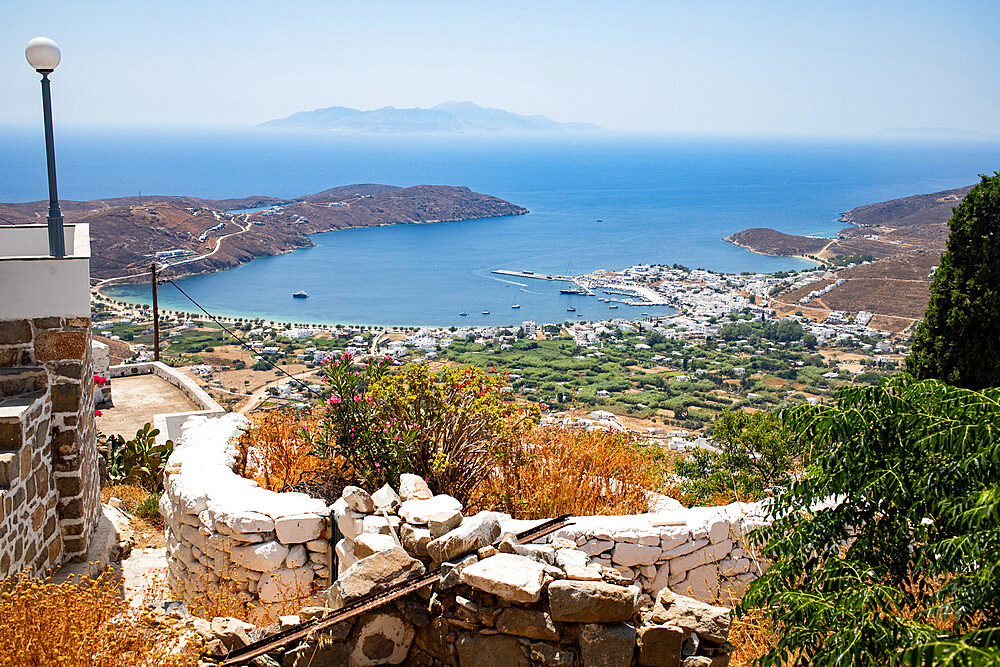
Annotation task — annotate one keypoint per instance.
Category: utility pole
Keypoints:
(156, 317)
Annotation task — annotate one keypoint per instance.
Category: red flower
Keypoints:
(97, 413)
(100, 381)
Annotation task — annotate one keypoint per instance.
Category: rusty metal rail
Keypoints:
(368, 603)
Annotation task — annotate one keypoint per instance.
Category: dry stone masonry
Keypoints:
(224, 533)
(49, 488)
(619, 590)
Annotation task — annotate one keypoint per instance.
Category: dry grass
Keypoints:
(562, 471)
(43, 624)
(274, 450)
(753, 635)
(131, 496)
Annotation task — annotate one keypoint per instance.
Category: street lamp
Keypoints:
(43, 55)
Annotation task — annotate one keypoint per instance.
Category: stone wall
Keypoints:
(223, 528)
(696, 551)
(46, 380)
(101, 361)
(226, 535)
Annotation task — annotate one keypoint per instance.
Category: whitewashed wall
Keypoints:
(223, 532)
(222, 529)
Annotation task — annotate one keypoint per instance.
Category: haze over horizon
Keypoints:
(766, 68)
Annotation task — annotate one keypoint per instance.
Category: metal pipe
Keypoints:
(57, 241)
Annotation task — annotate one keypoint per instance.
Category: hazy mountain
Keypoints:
(445, 117)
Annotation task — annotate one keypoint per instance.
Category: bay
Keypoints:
(597, 200)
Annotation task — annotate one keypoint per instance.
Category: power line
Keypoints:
(241, 341)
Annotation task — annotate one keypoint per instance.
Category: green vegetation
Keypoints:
(138, 461)
(958, 341)
(446, 427)
(887, 545)
(757, 459)
(655, 377)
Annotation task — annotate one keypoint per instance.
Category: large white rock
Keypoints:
(373, 523)
(381, 639)
(285, 585)
(420, 511)
(511, 577)
(350, 523)
(358, 499)
(299, 528)
(262, 557)
(413, 487)
(386, 498)
(247, 522)
(635, 554)
(367, 544)
(477, 531)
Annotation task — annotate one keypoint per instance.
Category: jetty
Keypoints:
(536, 276)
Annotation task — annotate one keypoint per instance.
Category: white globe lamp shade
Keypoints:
(42, 54)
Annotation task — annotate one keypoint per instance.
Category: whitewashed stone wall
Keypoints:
(222, 529)
(699, 552)
(224, 533)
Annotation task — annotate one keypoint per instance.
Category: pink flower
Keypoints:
(357, 398)
(334, 400)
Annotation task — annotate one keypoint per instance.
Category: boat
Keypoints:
(463, 313)
(571, 309)
(300, 295)
(486, 312)
(573, 291)
(613, 306)
(599, 220)
(516, 305)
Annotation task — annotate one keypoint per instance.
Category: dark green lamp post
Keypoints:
(43, 55)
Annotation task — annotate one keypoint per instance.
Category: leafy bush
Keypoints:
(757, 458)
(455, 420)
(443, 426)
(140, 460)
(885, 550)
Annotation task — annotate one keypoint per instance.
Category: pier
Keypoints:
(536, 276)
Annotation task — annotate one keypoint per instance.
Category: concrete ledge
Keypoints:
(170, 424)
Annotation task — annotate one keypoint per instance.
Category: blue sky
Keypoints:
(794, 67)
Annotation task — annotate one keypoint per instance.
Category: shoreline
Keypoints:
(729, 239)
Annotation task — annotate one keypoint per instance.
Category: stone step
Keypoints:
(8, 468)
(19, 380)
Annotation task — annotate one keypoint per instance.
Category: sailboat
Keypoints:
(463, 313)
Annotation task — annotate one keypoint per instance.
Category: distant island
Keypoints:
(445, 117)
(204, 235)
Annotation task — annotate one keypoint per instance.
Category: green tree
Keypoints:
(958, 341)
(756, 458)
(885, 551)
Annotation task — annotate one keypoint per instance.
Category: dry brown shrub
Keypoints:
(565, 471)
(753, 635)
(43, 623)
(274, 451)
(131, 496)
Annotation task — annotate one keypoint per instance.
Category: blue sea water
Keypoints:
(599, 200)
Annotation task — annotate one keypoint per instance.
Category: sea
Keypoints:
(599, 200)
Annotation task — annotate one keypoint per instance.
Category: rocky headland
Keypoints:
(127, 232)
